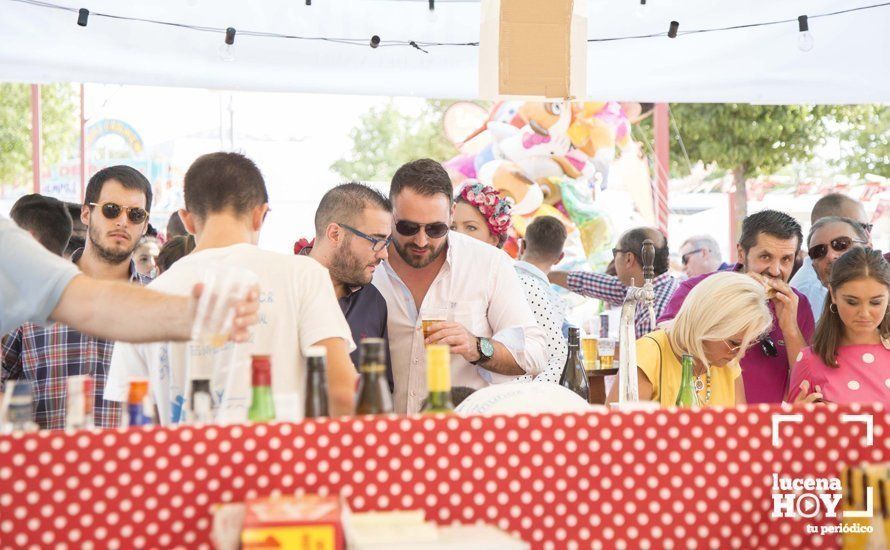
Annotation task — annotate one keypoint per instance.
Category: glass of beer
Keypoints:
(590, 330)
(224, 287)
(606, 351)
(431, 315)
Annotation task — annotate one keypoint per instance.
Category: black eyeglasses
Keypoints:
(433, 230)
(615, 252)
(376, 244)
(768, 347)
(839, 244)
(112, 210)
(685, 257)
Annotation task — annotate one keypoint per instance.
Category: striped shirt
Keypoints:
(611, 290)
(47, 355)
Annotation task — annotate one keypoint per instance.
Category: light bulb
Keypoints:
(640, 11)
(227, 52)
(805, 41)
(431, 16)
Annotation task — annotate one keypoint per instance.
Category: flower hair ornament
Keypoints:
(495, 209)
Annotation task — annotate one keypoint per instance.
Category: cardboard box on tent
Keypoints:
(533, 49)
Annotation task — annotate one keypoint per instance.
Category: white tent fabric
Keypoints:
(849, 63)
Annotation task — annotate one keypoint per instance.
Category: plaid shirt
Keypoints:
(611, 290)
(47, 355)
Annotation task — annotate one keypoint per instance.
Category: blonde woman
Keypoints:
(721, 318)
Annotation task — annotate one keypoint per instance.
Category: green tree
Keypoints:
(386, 138)
(59, 113)
(865, 140)
(748, 140)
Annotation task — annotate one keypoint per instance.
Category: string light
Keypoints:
(805, 40)
(375, 41)
(431, 12)
(226, 52)
(640, 10)
(82, 16)
(672, 31)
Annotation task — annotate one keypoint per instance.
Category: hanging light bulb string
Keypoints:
(418, 44)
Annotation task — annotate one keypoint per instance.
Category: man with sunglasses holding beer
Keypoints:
(767, 248)
(481, 311)
(806, 280)
(115, 211)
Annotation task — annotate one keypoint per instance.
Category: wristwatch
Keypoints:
(485, 349)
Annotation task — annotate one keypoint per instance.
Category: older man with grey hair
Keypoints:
(829, 239)
(807, 280)
(701, 254)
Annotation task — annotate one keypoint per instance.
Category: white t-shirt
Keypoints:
(298, 308)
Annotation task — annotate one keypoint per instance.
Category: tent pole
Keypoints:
(35, 135)
(83, 147)
(662, 164)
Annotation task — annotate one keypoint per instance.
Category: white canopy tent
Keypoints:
(849, 63)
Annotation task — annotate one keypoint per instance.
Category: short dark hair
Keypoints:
(423, 176)
(632, 242)
(127, 176)
(175, 227)
(545, 237)
(772, 222)
(219, 181)
(345, 203)
(174, 250)
(831, 204)
(46, 218)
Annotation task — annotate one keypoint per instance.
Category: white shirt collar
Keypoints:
(532, 270)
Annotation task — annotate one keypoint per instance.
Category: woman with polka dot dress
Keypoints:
(850, 356)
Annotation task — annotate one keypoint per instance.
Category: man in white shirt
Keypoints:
(225, 205)
(490, 328)
(539, 251)
(806, 280)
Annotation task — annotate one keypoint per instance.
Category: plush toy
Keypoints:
(592, 223)
(511, 182)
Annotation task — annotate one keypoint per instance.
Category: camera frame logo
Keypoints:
(809, 497)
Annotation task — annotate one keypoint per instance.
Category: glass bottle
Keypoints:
(316, 382)
(574, 376)
(438, 380)
(262, 408)
(374, 396)
(687, 396)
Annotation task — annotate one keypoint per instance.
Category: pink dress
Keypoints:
(862, 374)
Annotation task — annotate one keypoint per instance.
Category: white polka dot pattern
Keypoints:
(671, 479)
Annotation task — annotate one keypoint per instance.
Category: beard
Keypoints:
(110, 255)
(423, 261)
(348, 269)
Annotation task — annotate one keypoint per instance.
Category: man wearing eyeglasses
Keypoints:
(115, 211)
(489, 325)
(353, 227)
(767, 248)
(700, 255)
(829, 239)
(806, 280)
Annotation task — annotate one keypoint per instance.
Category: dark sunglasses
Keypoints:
(685, 257)
(433, 230)
(112, 211)
(839, 244)
(768, 347)
(376, 244)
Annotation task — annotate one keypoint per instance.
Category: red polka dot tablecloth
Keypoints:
(663, 479)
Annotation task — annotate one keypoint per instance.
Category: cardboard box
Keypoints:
(308, 522)
(533, 49)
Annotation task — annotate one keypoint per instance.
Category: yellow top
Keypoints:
(438, 368)
(658, 362)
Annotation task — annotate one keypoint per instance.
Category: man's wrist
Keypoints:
(475, 354)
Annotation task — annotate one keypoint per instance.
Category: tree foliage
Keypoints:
(386, 138)
(865, 140)
(58, 103)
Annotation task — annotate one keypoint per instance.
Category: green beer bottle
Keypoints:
(438, 380)
(574, 377)
(687, 396)
(373, 392)
(262, 409)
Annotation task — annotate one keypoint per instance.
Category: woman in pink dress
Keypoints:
(849, 361)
